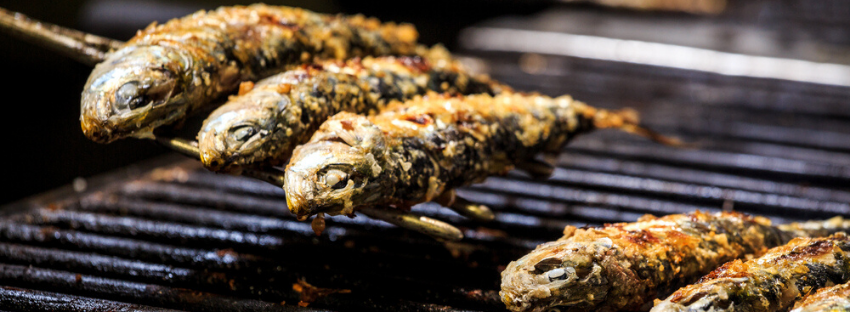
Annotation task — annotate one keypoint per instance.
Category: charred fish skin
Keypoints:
(413, 151)
(829, 299)
(262, 126)
(166, 71)
(772, 282)
(624, 266)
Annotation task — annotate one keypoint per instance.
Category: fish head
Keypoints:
(344, 166)
(133, 91)
(558, 276)
(242, 132)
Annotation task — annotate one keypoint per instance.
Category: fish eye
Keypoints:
(547, 264)
(336, 179)
(130, 96)
(241, 133)
(557, 274)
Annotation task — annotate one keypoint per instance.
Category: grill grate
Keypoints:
(179, 237)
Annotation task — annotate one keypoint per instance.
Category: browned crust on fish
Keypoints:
(207, 55)
(830, 299)
(414, 151)
(285, 109)
(624, 266)
(772, 282)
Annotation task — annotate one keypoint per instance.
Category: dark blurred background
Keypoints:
(44, 147)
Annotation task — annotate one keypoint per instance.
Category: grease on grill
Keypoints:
(310, 293)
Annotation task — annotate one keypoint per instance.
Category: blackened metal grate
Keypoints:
(178, 237)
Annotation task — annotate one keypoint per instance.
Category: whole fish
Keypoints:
(414, 151)
(772, 282)
(624, 266)
(828, 299)
(169, 70)
(263, 125)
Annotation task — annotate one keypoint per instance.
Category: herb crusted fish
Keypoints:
(829, 299)
(625, 266)
(772, 282)
(169, 70)
(263, 125)
(415, 151)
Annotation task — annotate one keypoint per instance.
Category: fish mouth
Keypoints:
(300, 195)
(96, 131)
(296, 193)
(217, 160)
(220, 164)
(213, 160)
(107, 128)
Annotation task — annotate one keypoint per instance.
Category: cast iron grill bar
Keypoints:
(220, 259)
(570, 159)
(424, 289)
(116, 268)
(749, 164)
(21, 299)
(699, 193)
(470, 274)
(185, 194)
(111, 289)
(198, 215)
(163, 232)
(733, 156)
(560, 194)
(87, 221)
(644, 85)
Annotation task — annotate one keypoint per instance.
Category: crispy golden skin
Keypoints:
(772, 282)
(263, 125)
(169, 70)
(829, 299)
(625, 266)
(414, 151)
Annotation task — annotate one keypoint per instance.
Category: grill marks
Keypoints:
(225, 238)
(263, 267)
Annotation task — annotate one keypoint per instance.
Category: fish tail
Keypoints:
(816, 228)
(627, 120)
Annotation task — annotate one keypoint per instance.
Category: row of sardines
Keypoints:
(756, 266)
(357, 112)
(361, 115)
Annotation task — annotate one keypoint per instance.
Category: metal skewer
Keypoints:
(464, 207)
(85, 48)
(536, 168)
(432, 227)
